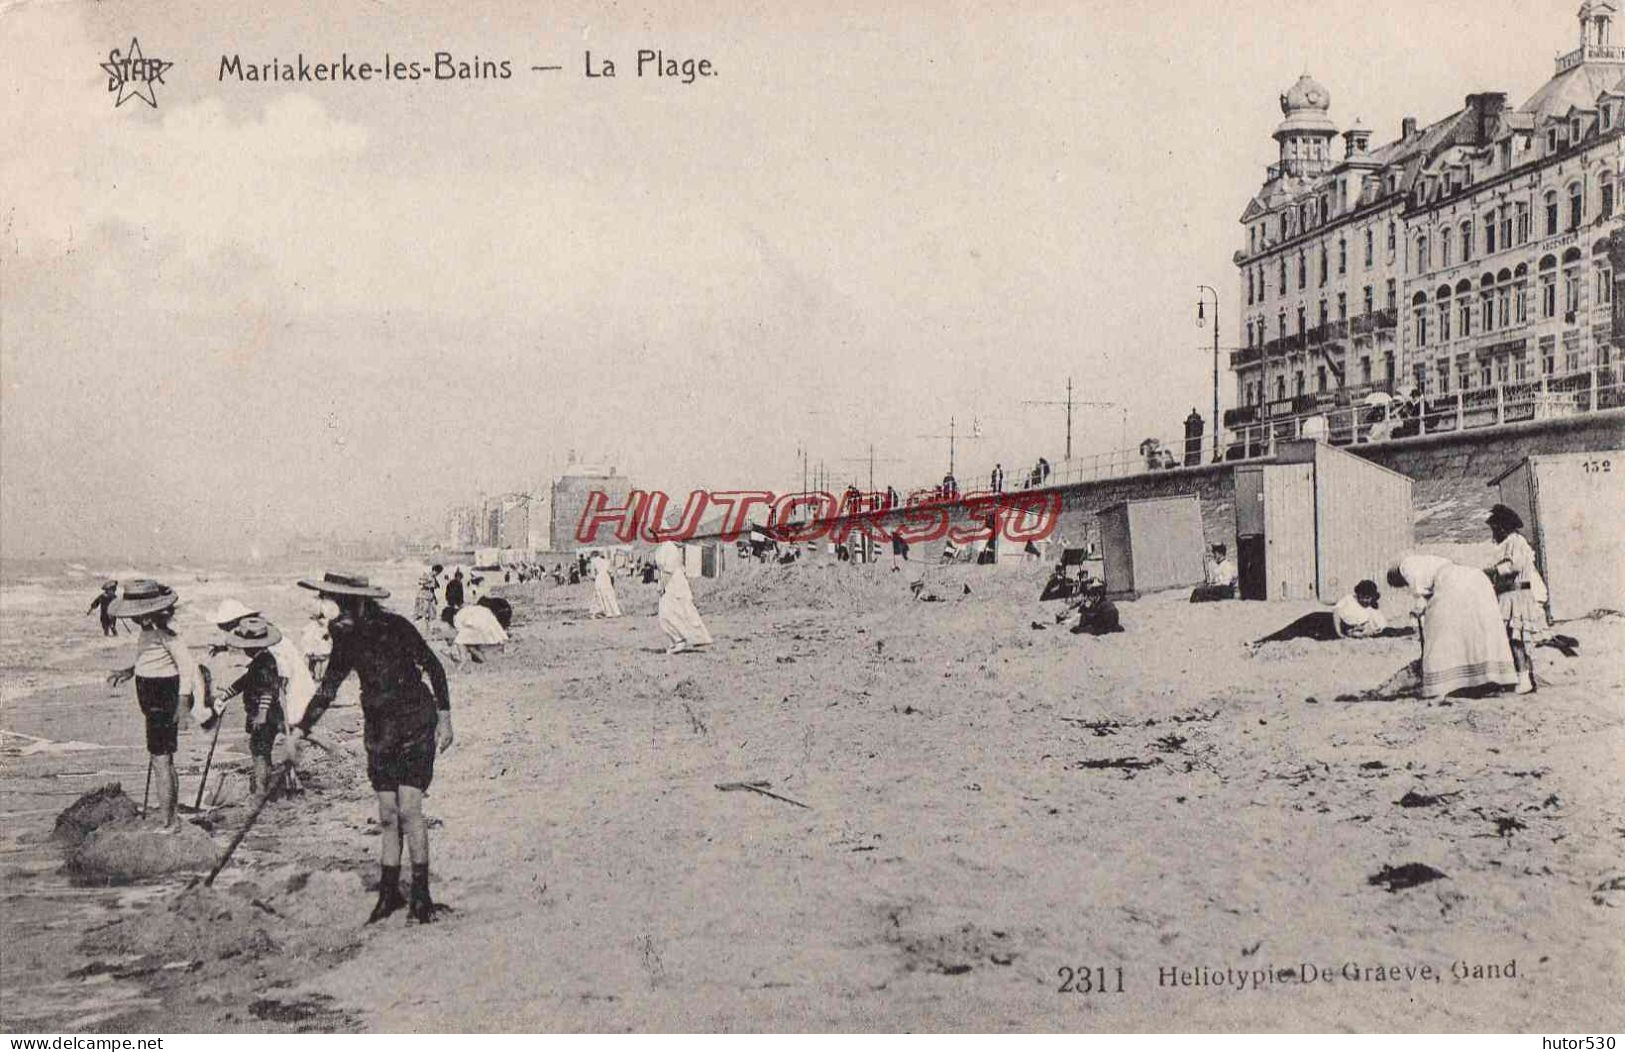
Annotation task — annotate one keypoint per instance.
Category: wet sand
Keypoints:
(987, 804)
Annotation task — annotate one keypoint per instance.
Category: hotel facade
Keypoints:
(1470, 261)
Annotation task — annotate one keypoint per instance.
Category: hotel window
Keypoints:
(1444, 247)
(1548, 360)
(1280, 324)
(1606, 205)
(1503, 297)
(1303, 270)
(1506, 227)
(1283, 274)
(1489, 233)
(1605, 285)
(1324, 265)
(1444, 377)
(1571, 292)
(1422, 252)
(1467, 241)
(1464, 376)
(1370, 245)
(1388, 368)
(1444, 321)
(1249, 288)
(1464, 312)
(1323, 316)
(1302, 321)
(1342, 306)
(1520, 369)
(1297, 382)
(1370, 302)
(1520, 296)
(1320, 379)
(1523, 222)
(1548, 287)
(1551, 140)
(1280, 388)
(1486, 308)
(1249, 335)
(1484, 379)
(1576, 205)
(1393, 294)
(1393, 239)
(1342, 255)
(1551, 212)
(1419, 314)
(1607, 117)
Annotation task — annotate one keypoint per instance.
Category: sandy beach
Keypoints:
(991, 812)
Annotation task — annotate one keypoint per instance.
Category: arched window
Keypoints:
(1548, 286)
(1466, 240)
(1551, 212)
(1489, 232)
(1422, 259)
(1486, 302)
(1576, 204)
(1503, 299)
(1446, 247)
(1605, 203)
(1419, 318)
(1571, 285)
(1520, 293)
(1441, 304)
(1464, 308)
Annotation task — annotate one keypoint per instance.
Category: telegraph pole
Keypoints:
(1069, 405)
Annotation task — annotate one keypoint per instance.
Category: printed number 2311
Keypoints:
(1090, 980)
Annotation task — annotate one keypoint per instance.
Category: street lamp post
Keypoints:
(1201, 299)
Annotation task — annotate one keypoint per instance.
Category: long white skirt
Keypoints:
(604, 590)
(1465, 640)
(681, 621)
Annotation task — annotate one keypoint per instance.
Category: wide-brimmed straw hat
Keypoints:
(142, 597)
(1501, 515)
(254, 633)
(231, 610)
(345, 584)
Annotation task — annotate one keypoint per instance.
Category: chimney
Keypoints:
(1407, 128)
(1485, 106)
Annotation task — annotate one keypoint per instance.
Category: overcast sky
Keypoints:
(266, 308)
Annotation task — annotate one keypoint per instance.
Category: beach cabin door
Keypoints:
(1289, 531)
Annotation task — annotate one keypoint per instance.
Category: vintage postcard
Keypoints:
(1058, 516)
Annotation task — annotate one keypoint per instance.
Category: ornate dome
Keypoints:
(1305, 105)
(1306, 94)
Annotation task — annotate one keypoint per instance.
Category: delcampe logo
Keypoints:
(133, 75)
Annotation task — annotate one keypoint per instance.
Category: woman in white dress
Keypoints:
(477, 628)
(603, 587)
(1464, 641)
(1520, 590)
(678, 616)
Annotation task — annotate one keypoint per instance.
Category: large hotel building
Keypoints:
(1464, 258)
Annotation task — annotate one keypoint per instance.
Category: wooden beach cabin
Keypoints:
(1152, 545)
(1314, 522)
(1572, 505)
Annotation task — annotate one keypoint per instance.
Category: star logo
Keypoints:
(133, 75)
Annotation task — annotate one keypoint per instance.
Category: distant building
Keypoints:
(569, 500)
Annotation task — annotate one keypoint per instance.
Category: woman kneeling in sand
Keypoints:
(678, 616)
(477, 629)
